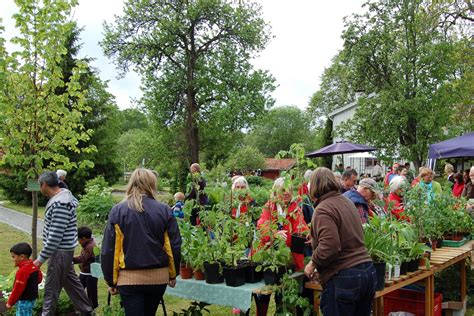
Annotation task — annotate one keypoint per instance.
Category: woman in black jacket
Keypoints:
(141, 247)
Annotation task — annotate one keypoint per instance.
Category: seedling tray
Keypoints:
(453, 243)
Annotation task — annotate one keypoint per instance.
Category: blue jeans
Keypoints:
(25, 307)
(141, 299)
(350, 291)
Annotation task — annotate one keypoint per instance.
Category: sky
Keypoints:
(307, 34)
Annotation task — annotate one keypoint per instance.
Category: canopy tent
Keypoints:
(340, 148)
(461, 146)
(458, 147)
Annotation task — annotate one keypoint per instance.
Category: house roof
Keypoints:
(279, 164)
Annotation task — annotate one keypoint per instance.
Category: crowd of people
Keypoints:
(141, 247)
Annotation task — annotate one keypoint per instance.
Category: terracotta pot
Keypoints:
(434, 244)
(199, 275)
(185, 271)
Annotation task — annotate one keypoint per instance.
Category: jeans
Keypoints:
(141, 300)
(350, 291)
(25, 307)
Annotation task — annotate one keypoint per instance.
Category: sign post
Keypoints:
(33, 187)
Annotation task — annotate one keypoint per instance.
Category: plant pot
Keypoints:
(199, 275)
(413, 265)
(439, 243)
(388, 272)
(297, 243)
(211, 271)
(404, 268)
(252, 276)
(434, 245)
(234, 276)
(185, 271)
(273, 277)
(380, 270)
(396, 271)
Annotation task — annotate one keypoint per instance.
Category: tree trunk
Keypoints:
(34, 224)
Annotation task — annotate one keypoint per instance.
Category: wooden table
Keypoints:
(440, 260)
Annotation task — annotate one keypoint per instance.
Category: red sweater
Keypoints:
(457, 189)
(294, 217)
(23, 282)
(398, 209)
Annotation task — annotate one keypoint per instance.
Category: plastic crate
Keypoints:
(454, 243)
(410, 301)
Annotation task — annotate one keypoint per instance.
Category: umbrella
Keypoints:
(461, 146)
(340, 148)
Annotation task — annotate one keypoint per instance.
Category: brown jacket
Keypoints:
(338, 238)
(86, 257)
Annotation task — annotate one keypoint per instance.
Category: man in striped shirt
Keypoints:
(59, 241)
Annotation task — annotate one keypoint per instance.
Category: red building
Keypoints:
(273, 167)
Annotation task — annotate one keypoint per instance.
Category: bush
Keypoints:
(64, 305)
(96, 204)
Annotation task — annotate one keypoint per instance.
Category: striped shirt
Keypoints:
(60, 224)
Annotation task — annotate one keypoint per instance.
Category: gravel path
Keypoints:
(19, 220)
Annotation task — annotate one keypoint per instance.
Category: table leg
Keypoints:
(261, 304)
(378, 306)
(462, 266)
(316, 296)
(429, 295)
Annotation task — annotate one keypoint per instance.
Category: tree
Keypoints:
(132, 119)
(414, 74)
(38, 123)
(103, 119)
(334, 91)
(194, 60)
(246, 159)
(278, 129)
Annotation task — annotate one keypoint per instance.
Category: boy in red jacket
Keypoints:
(27, 278)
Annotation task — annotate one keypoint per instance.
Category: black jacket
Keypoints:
(145, 240)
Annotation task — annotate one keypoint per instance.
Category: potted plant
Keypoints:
(185, 269)
(291, 301)
(198, 253)
(379, 246)
(235, 238)
(298, 239)
(274, 259)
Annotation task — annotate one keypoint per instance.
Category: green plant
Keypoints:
(195, 309)
(291, 300)
(96, 204)
(378, 240)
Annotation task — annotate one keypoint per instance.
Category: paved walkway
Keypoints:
(19, 220)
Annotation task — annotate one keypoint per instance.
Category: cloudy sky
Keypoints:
(306, 36)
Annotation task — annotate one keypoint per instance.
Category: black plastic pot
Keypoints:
(380, 270)
(273, 277)
(252, 276)
(211, 270)
(404, 268)
(234, 276)
(297, 243)
(413, 265)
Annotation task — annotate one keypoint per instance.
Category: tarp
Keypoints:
(340, 148)
(458, 147)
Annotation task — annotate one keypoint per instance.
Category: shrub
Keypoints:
(96, 204)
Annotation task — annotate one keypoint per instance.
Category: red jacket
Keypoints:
(23, 282)
(457, 189)
(294, 217)
(398, 209)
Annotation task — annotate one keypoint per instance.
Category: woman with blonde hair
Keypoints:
(141, 248)
(429, 186)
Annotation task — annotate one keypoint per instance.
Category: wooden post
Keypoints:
(34, 224)
(429, 295)
(462, 266)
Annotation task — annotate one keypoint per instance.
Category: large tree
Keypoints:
(38, 122)
(101, 115)
(279, 129)
(415, 74)
(194, 58)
